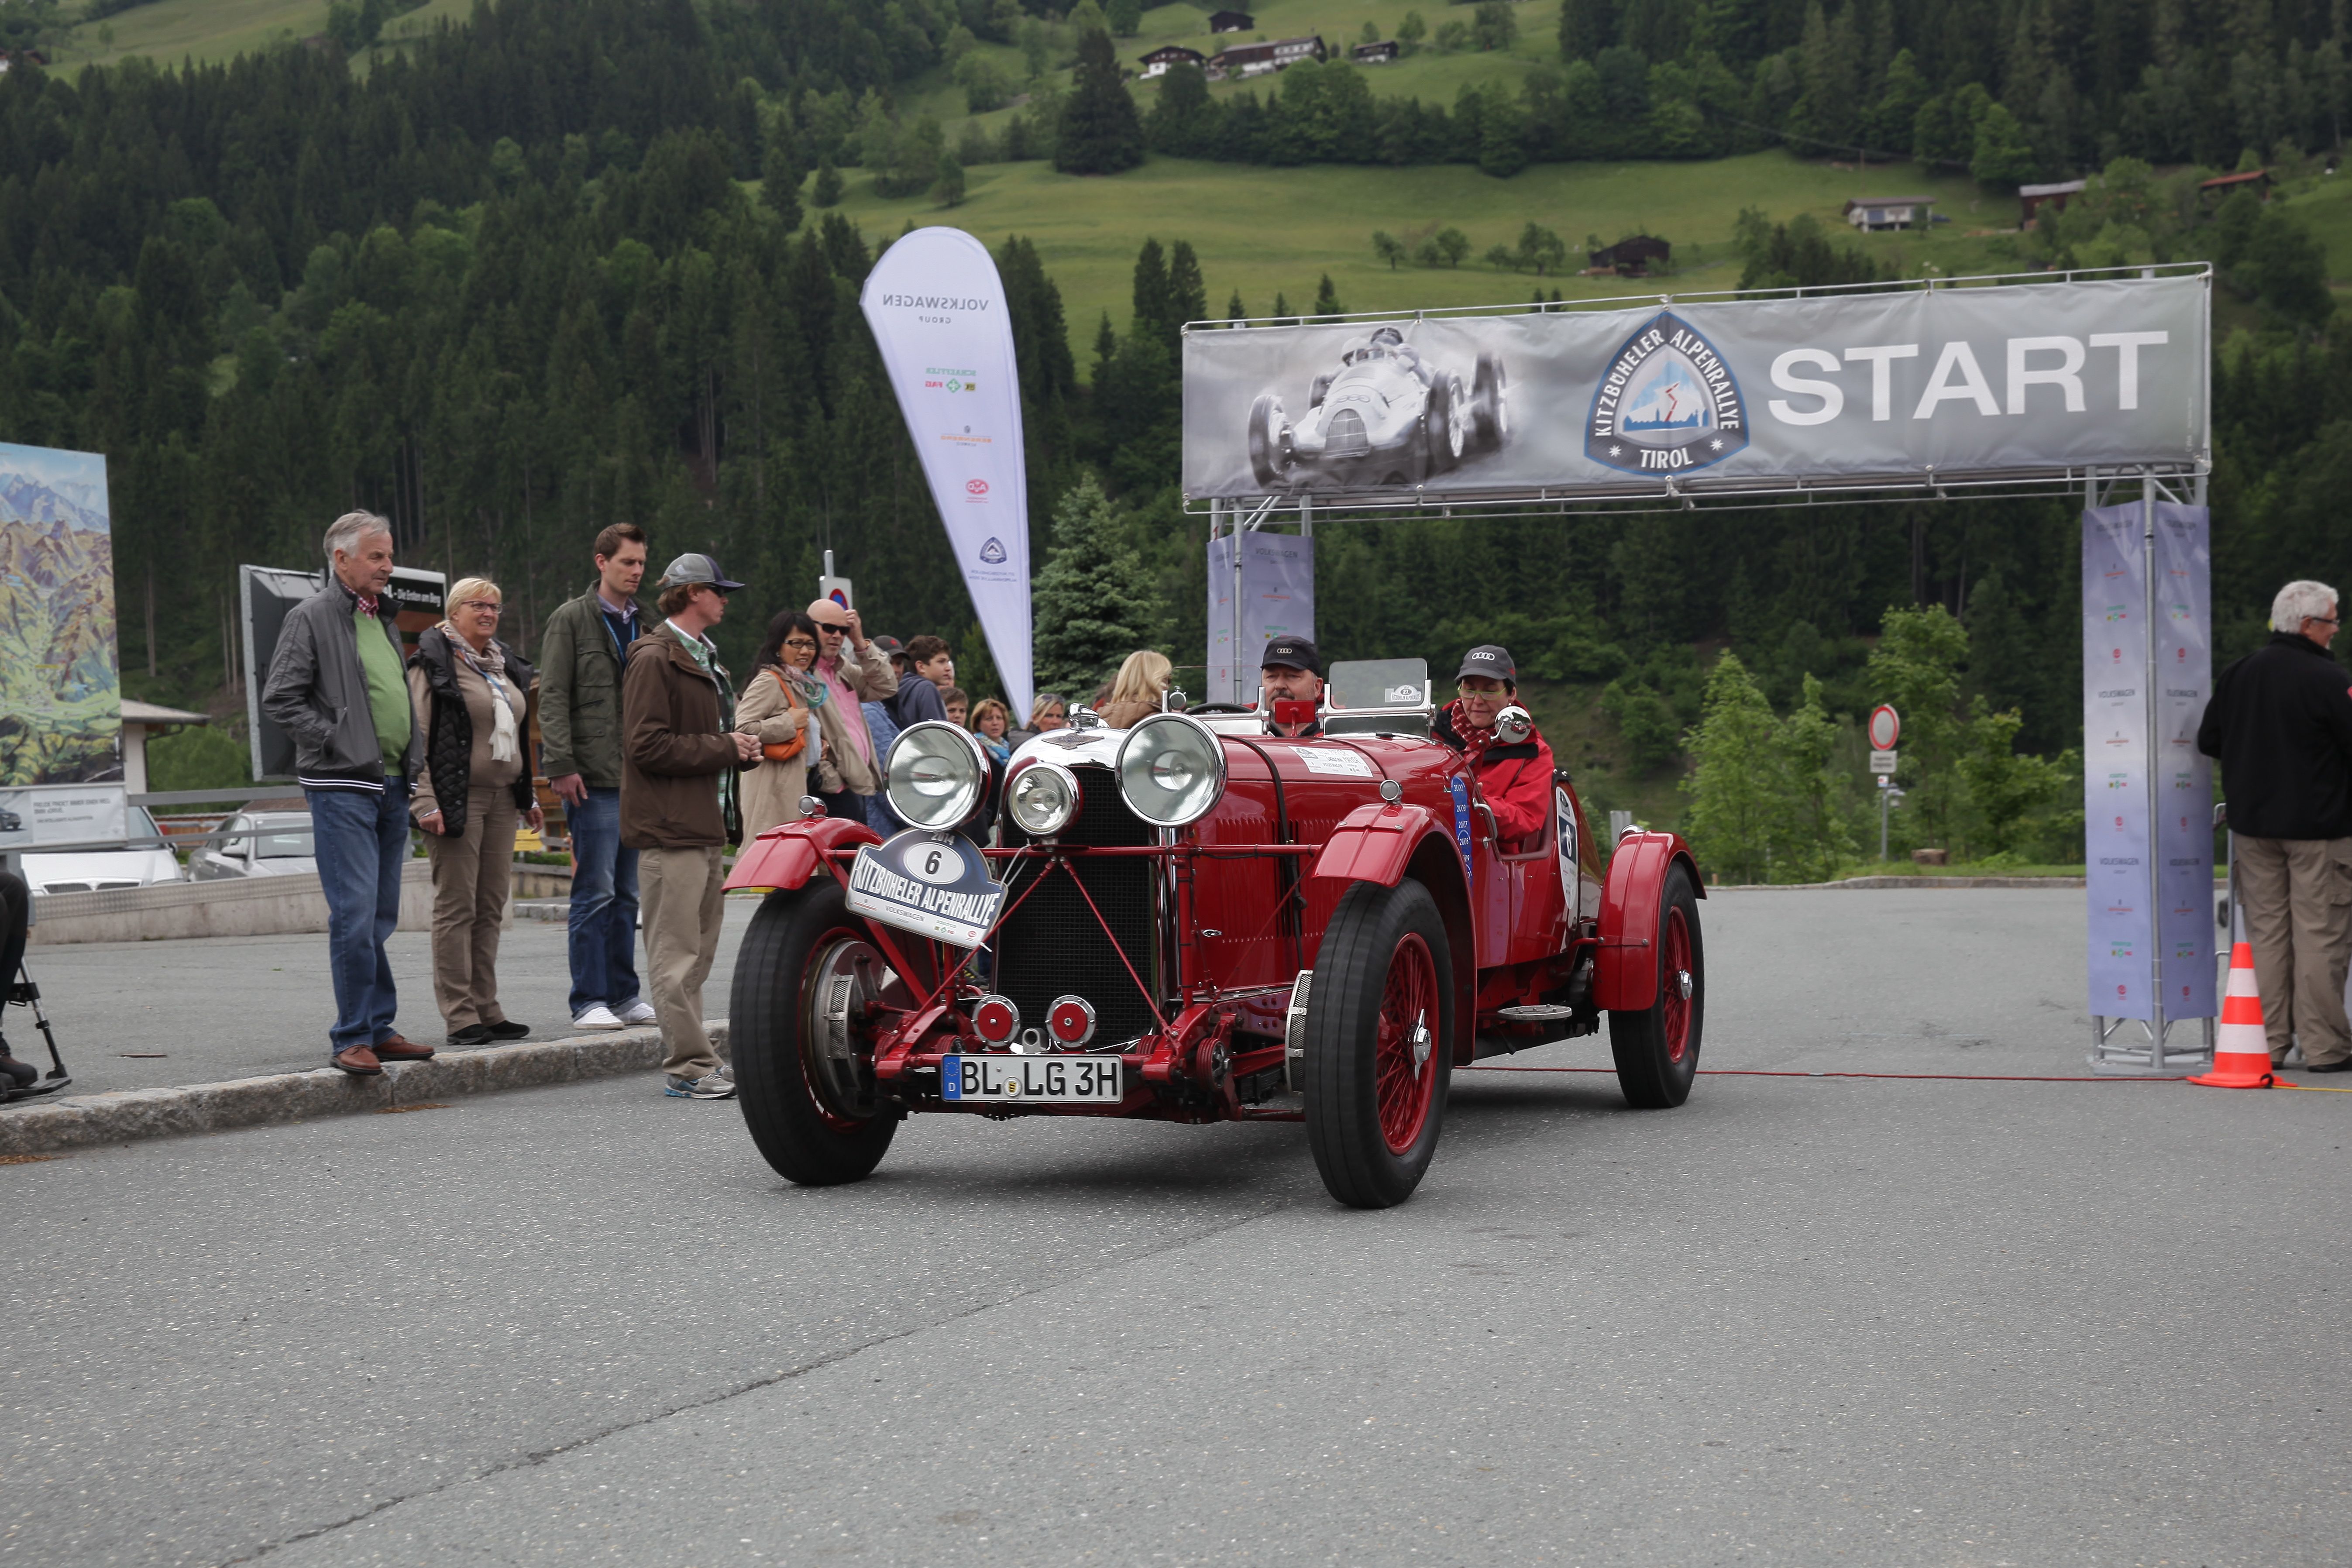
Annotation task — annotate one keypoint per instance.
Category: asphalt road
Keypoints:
(1797, 1320)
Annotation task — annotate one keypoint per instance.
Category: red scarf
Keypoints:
(1473, 741)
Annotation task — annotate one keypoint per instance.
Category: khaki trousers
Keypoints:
(2298, 897)
(471, 875)
(682, 894)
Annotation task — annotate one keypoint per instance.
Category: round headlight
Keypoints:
(1171, 769)
(1043, 797)
(937, 776)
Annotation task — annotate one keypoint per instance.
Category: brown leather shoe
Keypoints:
(395, 1048)
(359, 1061)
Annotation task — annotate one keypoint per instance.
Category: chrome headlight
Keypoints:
(1043, 798)
(1171, 769)
(937, 776)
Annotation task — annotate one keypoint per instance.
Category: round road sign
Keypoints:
(1884, 727)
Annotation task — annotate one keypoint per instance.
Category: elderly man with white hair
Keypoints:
(336, 687)
(2281, 722)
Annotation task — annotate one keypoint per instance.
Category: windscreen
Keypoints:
(1380, 683)
(287, 841)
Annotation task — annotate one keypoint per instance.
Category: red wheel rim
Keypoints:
(1671, 979)
(1405, 1055)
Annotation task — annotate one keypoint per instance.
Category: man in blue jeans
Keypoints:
(580, 666)
(336, 687)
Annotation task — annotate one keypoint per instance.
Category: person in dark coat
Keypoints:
(2281, 722)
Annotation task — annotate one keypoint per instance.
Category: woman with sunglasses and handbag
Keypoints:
(782, 706)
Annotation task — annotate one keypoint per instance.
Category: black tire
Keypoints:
(1490, 409)
(1442, 430)
(818, 1124)
(1269, 441)
(1657, 1049)
(1368, 943)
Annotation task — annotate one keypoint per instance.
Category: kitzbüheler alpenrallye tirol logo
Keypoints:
(1668, 403)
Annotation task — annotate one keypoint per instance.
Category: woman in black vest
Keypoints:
(472, 697)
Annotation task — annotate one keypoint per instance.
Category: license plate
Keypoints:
(1056, 1080)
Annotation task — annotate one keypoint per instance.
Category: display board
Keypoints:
(1697, 396)
(1270, 593)
(263, 595)
(60, 672)
(2147, 791)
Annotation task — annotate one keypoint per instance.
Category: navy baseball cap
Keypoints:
(696, 568)
(1491, 659)
(1292, 653)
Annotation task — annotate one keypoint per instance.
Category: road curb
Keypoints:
(91, 1121)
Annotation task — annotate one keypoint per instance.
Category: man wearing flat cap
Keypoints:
(680, 754)
(1513, 776)
(1291, 670)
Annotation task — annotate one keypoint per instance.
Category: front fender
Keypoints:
(1373, 844)
(1625, 977)
(789, 854)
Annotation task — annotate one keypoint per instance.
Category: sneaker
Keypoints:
(638, 1013)
(711, 1086)
(598, 1017)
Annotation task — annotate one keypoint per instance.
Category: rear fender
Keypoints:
(1625, 977)
(1373, 844)
(788, 855)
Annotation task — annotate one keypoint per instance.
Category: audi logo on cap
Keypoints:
(975, 487)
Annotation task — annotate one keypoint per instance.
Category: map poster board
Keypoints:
(60, 672)
(1275, 591)
(2147, 790)
(263, 595)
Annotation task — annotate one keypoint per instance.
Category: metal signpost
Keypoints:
(1886, 728)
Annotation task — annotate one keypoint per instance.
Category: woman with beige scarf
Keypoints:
(471, 695)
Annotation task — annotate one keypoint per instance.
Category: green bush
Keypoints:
(200, 757)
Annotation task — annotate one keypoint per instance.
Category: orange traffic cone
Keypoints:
(2242, 1051)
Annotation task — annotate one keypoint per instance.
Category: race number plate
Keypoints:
(933, 884)
(1056, 1080)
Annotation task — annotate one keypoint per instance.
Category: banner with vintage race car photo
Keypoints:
(1721, 395)
(937, 307)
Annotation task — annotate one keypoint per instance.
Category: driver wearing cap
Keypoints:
(1291, 671)
(1513, 776)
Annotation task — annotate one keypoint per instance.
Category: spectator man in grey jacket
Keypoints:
(337, 687)
(580, 662)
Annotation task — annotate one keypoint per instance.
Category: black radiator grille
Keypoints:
(1054, 946)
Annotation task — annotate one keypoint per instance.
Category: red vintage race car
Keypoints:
(1197, 919)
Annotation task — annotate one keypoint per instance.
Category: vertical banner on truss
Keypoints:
(1270, 593)
(2147, 790)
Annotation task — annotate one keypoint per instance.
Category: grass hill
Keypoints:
(171, 30)
(1263, 231)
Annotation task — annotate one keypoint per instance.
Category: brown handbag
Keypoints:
(785, 751)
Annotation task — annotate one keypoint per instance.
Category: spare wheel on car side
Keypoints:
(800, 1019)
(1377, 1042)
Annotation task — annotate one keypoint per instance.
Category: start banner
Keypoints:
(1909, 385)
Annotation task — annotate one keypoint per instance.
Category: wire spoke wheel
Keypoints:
(1658, 1047)
(1406, 1066)
(1376, 1041)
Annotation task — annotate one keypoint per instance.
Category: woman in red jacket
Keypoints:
(1513, 776)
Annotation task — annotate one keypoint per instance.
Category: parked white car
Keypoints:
(259, 844)
(97, 870)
